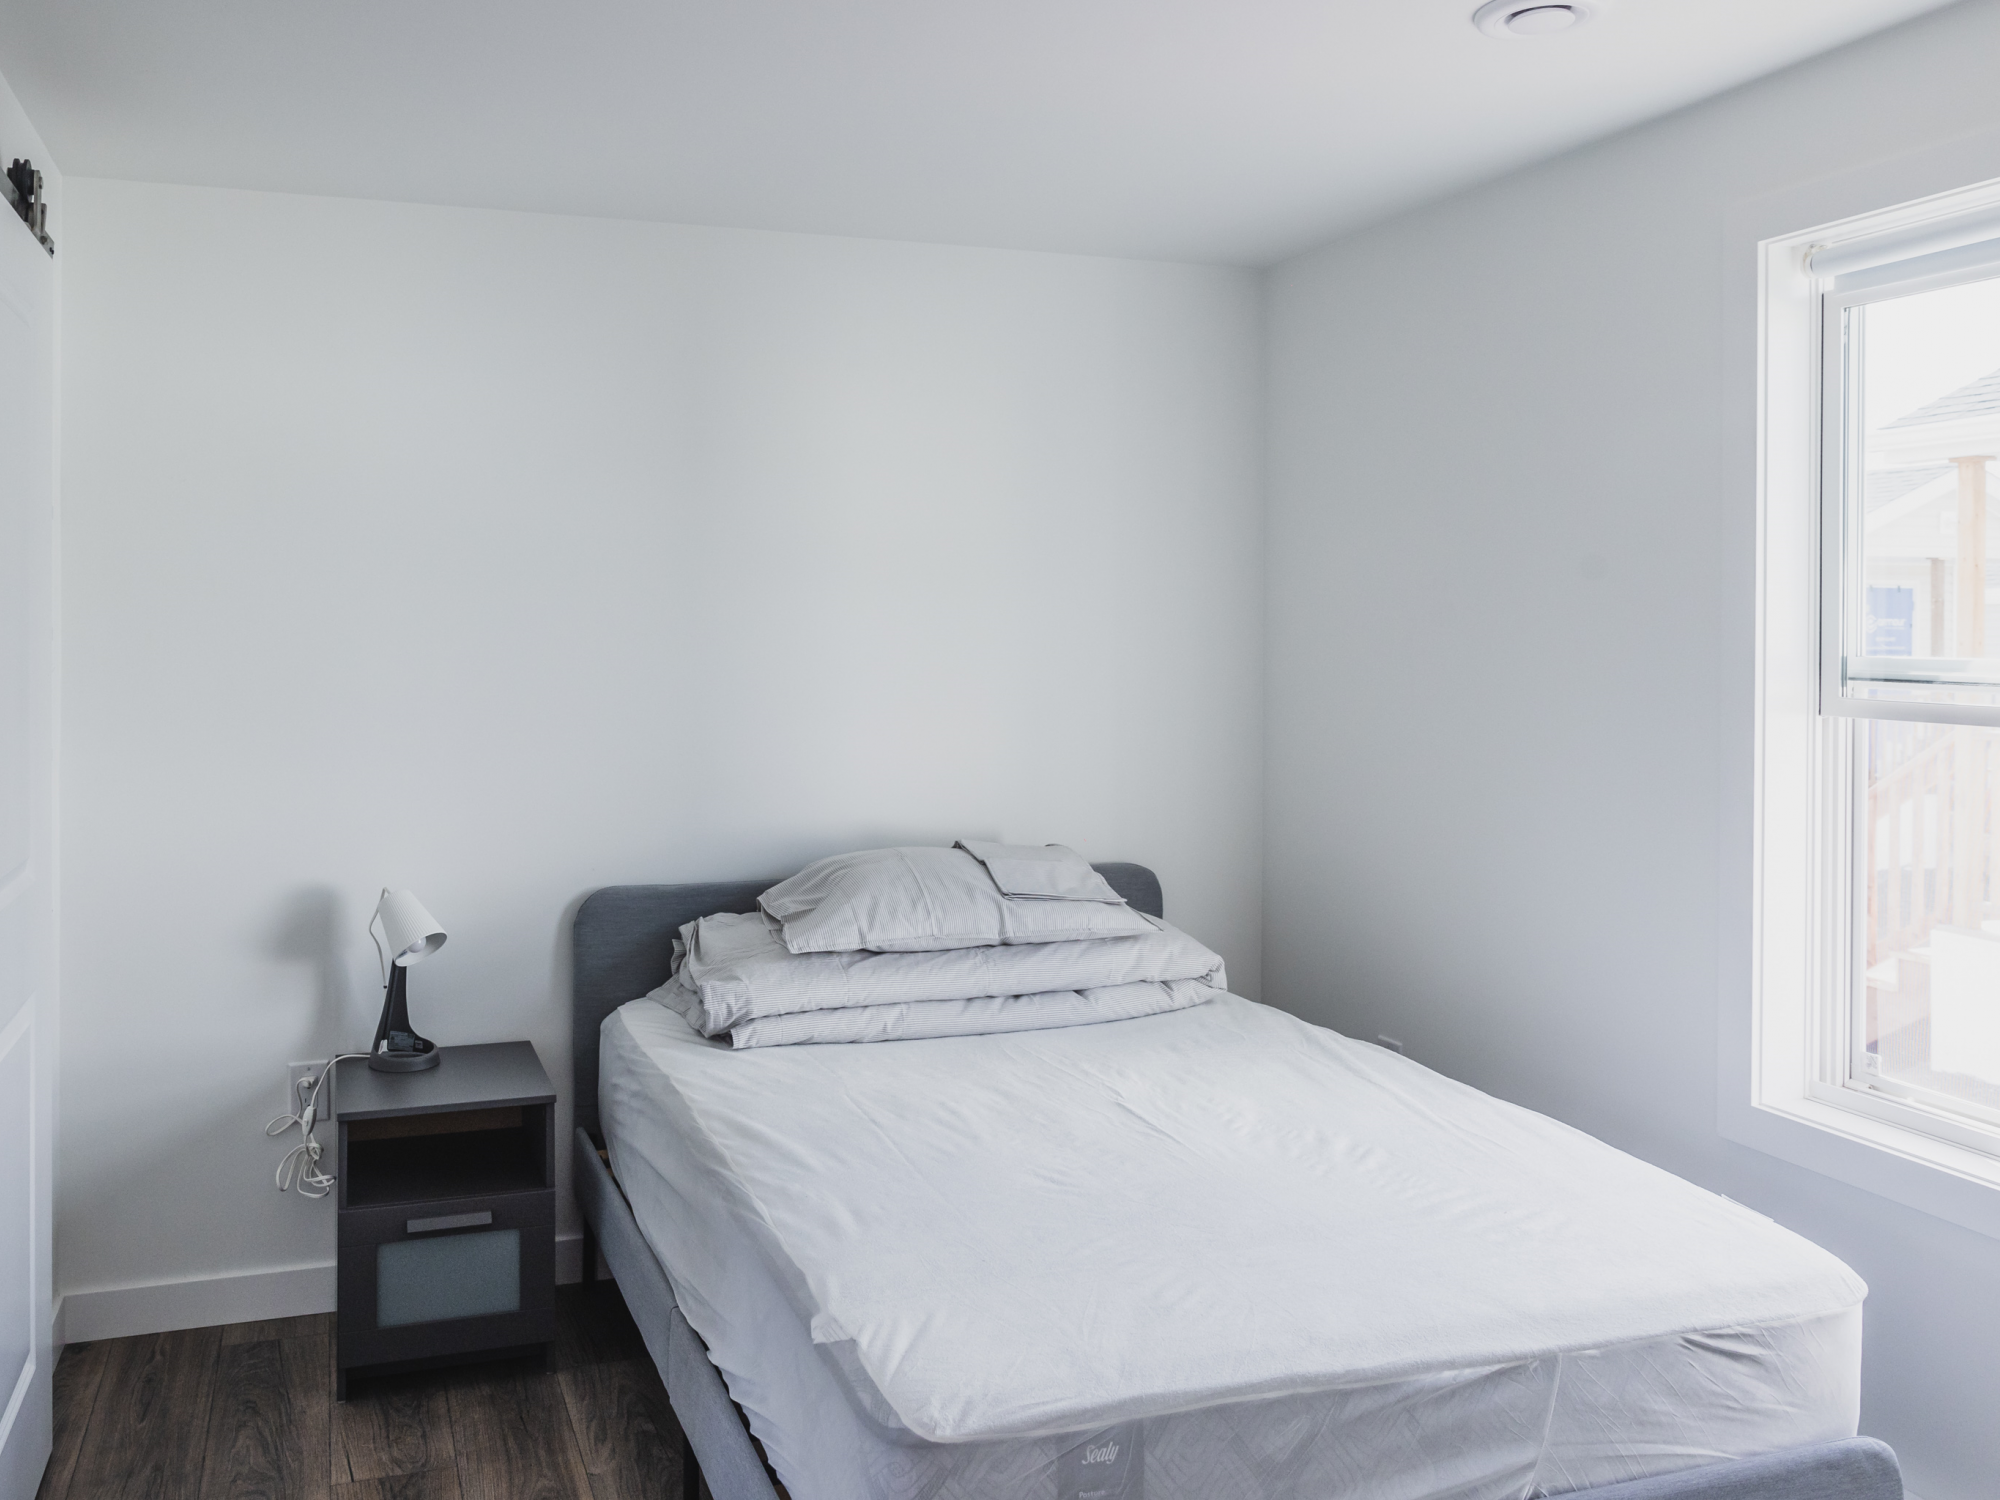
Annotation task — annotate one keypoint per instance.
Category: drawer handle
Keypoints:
(449, 1221)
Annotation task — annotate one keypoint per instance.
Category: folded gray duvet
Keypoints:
(736, 978)
(987, 1016)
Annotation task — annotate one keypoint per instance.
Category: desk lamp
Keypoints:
(413, 935)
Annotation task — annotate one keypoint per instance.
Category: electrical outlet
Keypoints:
(295, 1098)
(1384, 1040)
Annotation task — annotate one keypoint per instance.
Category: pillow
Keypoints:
(918, 899)
(1046, 872)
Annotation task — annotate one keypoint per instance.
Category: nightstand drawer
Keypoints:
(446, 1277)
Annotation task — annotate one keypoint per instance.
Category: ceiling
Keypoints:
(1218, 130)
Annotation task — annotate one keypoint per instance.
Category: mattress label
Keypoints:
(1107, 1465)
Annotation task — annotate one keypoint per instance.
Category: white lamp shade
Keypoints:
(413, 933)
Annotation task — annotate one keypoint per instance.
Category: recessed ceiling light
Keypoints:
(1513, 19)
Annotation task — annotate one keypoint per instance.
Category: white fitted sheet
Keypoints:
(1292, 1264)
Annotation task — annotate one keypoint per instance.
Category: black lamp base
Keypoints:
(405, 1052)
(405, 1062)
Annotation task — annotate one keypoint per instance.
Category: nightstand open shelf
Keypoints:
(451, 1155)
(447, 1210)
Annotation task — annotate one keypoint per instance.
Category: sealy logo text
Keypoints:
(1103, 1454)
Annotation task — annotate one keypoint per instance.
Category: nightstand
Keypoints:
(447, 1210)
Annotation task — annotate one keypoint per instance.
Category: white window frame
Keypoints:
(1791, 1059)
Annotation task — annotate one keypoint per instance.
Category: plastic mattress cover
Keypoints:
(1248, 1255)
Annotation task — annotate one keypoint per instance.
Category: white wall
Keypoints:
(505, 556)
(1510, 566)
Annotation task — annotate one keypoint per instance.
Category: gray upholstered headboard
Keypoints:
(622, 944)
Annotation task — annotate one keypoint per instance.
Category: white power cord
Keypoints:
(300, 1168)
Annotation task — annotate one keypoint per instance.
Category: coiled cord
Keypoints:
(300, 1169)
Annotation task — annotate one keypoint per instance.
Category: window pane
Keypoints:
(1923, 404)
(1931, 938)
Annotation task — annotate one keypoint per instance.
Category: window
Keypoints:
(1877, 1012)
(1911, 425)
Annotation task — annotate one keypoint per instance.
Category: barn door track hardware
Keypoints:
(24, 191)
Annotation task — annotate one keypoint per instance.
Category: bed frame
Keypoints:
(622, 942)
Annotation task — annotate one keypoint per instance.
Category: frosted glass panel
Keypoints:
(458, 1276)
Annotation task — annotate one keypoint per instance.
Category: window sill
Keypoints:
(1901, 1164)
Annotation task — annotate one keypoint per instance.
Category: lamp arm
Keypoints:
(396, 1011)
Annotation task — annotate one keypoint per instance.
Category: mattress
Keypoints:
(1215, 1253)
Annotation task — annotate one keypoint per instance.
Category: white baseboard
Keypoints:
(569, 1258)
(120, 1311)
(247, 1297)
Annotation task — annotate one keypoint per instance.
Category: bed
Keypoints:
(806, 1403)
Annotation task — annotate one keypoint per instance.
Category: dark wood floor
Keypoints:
(247, 1411)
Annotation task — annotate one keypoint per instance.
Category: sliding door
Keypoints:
(27, 805)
